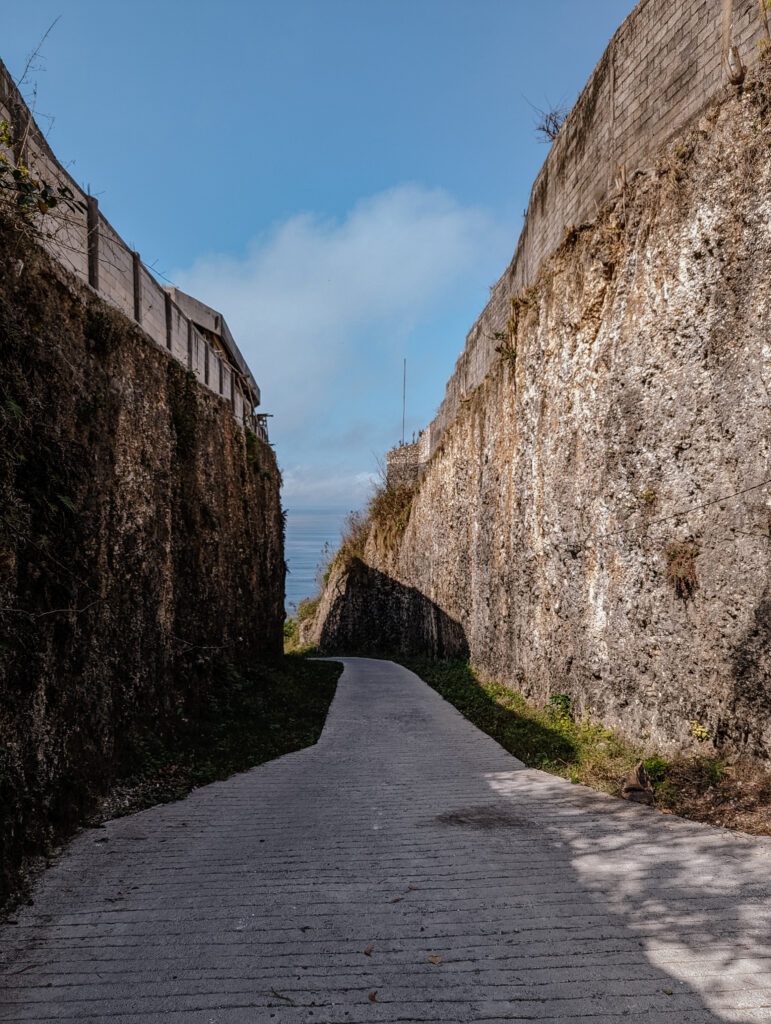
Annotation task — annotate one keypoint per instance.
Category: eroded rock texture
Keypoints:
(141, 545)
(578, 520)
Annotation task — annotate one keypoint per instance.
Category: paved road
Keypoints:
(318, 888)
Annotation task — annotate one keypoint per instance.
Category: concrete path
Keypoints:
(404, 869)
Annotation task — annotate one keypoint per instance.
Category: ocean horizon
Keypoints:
(307, 532)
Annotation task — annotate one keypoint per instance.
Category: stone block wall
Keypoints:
(406, 463)
(402, 466)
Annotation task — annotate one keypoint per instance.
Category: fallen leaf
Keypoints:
(665, 810)
(305, 928)
(413, 888)
(372, 996)
(397, 899)
(667, 991)
(368, 951)
(434, 959)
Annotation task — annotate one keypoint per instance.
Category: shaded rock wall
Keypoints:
(364, 609)
(607, 451)
(141, 544)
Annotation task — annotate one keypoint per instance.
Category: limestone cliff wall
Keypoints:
(141, 546)
(596, 519)
(664, 66)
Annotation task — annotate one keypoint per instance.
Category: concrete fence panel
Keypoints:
(153, 308)
(87, 245)
(116, 268)
(179, 324)
(199, 354)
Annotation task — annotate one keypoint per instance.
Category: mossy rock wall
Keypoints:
(139, 542)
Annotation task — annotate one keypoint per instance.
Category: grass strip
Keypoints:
(248, 716)
(736, 794)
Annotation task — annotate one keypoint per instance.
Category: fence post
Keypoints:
(167, 298)
(137, 287)
(92, 225)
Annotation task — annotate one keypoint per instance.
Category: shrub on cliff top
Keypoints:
(306, 609)
(30, 197)
(354, 538)
(389, 510)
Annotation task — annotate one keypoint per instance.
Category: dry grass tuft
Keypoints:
(389, 511)
(681, 568)
(355, 533)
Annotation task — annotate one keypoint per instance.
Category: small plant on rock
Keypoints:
(699, 731)
(681, 568)
(560, 706)
(29, 195)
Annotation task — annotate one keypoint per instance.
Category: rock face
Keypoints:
(394, 617)
(141, 545)
(596, 519)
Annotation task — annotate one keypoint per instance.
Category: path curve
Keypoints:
(406, 868)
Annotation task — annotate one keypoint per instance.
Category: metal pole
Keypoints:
(404, 398)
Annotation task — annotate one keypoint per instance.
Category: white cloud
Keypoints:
(319, 306)
(307, 486)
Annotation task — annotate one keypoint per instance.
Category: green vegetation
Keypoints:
(699, 731)
(385, 519)
(702, 788)
(30, 197)
(291, 635)
(354, 538)
(246, 717)
(306, 609)
(546, 738)
(252, 449)
(389, 512)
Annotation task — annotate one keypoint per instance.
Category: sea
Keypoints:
(307, 531)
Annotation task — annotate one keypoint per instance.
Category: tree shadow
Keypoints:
(694, 899)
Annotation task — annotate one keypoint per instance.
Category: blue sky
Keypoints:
(343, 179)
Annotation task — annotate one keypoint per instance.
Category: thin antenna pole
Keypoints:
(404, 398)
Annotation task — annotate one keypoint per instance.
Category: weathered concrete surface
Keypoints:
(408, 833)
